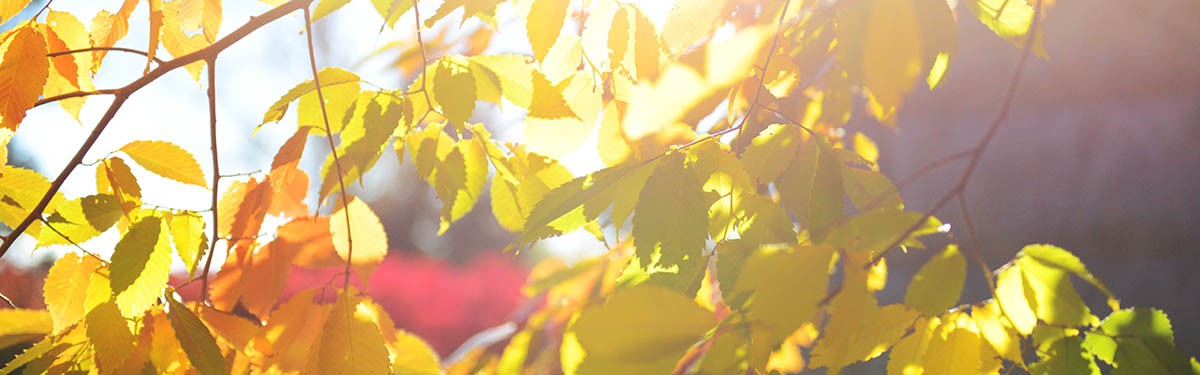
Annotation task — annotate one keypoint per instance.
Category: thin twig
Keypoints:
(974, 250)
(63, 235)
(122, 94)
(312, 60)
(75, 94)
(977, 152)
(90, 49)
(424, 62)
(9, 301)
(762, 77)
(216, 180)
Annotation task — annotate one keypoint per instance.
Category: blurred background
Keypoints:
(1100, 153)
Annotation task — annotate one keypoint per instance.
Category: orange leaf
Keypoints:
(23, 73)
(313, 242)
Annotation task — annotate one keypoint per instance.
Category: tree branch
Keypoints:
(216, 217)
(75, 94)
(977, 152)
(89, 49)
(123, 94)
(312, 59)
(762, 77)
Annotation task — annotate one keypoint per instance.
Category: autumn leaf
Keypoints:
(66, 288)
(936, 287)
(167, 160)
(141, 264)
(350, 342)
(107, 330)
(369, 239)
(543, 24)
(195, 339)
(23, 72)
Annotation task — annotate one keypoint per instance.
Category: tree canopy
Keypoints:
(748, 230)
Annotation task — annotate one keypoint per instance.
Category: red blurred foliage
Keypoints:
(442, 302)
(22, 286)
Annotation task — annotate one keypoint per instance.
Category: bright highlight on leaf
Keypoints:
(167, 160)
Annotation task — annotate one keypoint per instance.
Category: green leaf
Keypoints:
(513, 72)
(329, 77)
(141, 264)
(197, 342)
(670, 217)
(580, 200)
(167, 160)
(1054, 256)
(520, 183)
(1010, 293)
(1066, 356)
(1138, 341)
(455, 90)
(939, 283)
(763, 221)
(1054, 298)
(642, 324)
(765, 157)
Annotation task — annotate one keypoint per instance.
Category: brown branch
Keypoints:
(89, 49)
(977, 152)
(312, 60)
(122, 94)
(75, 94)
(216, 217)
(9, 301)
(974, 249)
(424, 63)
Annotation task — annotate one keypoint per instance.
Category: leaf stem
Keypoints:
(312, 59)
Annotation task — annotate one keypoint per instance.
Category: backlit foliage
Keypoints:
(748, 233)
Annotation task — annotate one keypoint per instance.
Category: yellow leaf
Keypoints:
(109, 333)
(79, 220)
(178, 41)
(642, 324)
(66, 288)
(543, 24)
(1010, 293)
(906, 358)
(892, 51)
(858, 328)
(141, 265)
(114, 177)
(1054, 298)
(938, 285)
(512, 72)
(156, 24)
(23, 325)
(994, 327)
(329, 77)
(558, 129)
(647, 48)
(391, 10)
(21, 190)
(211, 19)
(64, 65)
(370, 241)
(412, 355)
(866, 148)
(656, 105)
(6, 135)
(350, 342)
(23, 73)
(75, 36)
(107, 29)
(483, 9)
(325, 7)
(618, 41)
(778, 142)
(233, 331)
(189, 237)
(610, 144)
(593, 38)
(786, 285)
(361, 143)
(548, 101)
(167, 160)
(521, 182)
(1009, 20)
(692, 21)
(10, 8)
(955, 349)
